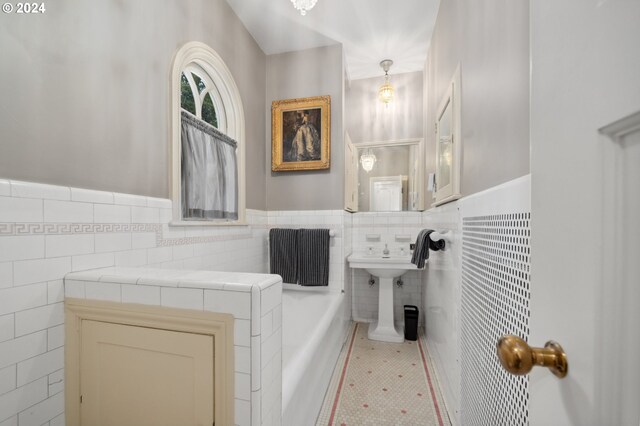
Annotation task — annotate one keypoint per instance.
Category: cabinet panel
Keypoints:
(132, 375)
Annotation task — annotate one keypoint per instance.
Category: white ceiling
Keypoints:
(370, 30)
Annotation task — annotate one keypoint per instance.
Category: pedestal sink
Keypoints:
(386, 268)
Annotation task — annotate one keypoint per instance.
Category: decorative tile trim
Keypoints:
(21, 229)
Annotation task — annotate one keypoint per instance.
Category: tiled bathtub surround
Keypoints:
(48, 231)
(252, 299)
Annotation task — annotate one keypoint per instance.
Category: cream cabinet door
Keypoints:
(137, 376)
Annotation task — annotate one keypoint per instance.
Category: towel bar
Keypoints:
(439, 235)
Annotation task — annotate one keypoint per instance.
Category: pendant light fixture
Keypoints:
(368, 160)
(304, 5)
(386, 90)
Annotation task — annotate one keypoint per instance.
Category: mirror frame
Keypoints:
(452, 96)
(421, 161)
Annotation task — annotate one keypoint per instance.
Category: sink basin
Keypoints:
(382, 266)
(386, 268)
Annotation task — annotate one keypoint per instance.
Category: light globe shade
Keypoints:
(386, 93)
(367, 161)
(304, 5)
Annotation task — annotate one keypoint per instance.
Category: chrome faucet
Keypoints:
(385, 252)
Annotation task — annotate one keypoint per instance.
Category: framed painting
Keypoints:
(301, 134)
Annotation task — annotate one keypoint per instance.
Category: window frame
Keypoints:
(230, 116)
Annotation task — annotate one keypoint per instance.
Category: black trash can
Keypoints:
(411, 322)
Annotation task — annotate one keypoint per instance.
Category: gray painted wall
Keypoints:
(312, 72)
(490, 39)
(85, 91)
(368, 120)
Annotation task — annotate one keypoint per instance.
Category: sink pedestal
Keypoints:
(384, 329)
(386, 268)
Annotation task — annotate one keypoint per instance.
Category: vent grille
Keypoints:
(495, 301)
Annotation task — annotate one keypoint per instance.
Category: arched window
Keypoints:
(207, 140)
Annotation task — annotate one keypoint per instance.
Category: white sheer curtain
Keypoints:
(209, 172)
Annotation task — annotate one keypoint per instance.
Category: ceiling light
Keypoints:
(304, 5)
(386, 90)
(367, 161)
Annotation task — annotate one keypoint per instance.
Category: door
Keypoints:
(385, 194)
(137, 376)
(585, 162)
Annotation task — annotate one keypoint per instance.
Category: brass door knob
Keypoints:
(518, 358)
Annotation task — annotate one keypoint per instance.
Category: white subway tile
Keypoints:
(40, 366)
(182, 252)
(56, 382)
(129, 200)
(271, 297)
(186, 298)
(104, 213)
(92, 261)
(256, 364)
(35, 271)
(266, 325)
(21, 247)
(256, 410)
(113, 242)
(271, 346)
(17, 400)
(91, 196)
(7, 379)
(242, 332)
(69, 245)
(143, 294)
(20, 298)
(277, 318)
(40, 318)
(145, 215)
(6, 273)
(21, 348)
(12, 421)
(55, 291)
(236, 303)
(242, 386)
(131, 258)
(161, 203)
(242, 412)
(7, 327)
(103, 291)
(39, 190)
(58, 421)
(55, 337)
(256, 313)
(242, 359)
(42, 412)
(5, 188)
(143, 240)
(73, 288)
(159, 255)
(67, 212)
(20, 210)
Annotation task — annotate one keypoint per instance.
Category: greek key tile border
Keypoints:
(25, 229)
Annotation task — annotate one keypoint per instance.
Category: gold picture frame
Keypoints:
(301, 134)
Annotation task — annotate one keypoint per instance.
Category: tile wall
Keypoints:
(373, 230)
(48, 231)
(254, 301)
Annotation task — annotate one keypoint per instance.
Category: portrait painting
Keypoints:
(301, 134)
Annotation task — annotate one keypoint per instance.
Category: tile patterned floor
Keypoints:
(378, 383)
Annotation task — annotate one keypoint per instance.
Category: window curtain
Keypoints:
(209, 172)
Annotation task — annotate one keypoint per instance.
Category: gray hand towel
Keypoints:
(283, 254)
(313, 257)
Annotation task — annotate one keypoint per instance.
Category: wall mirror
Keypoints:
(389, 176)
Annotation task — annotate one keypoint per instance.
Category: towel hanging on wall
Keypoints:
(313, 257)
(283, 254)
(421, 252)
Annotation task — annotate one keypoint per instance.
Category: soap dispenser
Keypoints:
(385, 252)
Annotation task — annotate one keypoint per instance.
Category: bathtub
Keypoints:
(314, 328)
